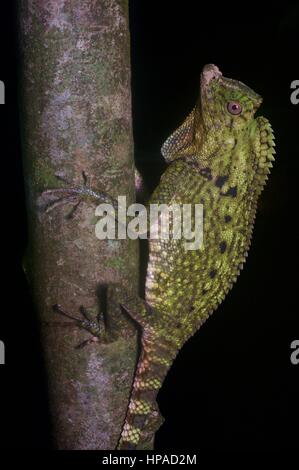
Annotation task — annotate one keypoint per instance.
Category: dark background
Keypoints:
(233, 385)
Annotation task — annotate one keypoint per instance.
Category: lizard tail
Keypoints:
(157, 355)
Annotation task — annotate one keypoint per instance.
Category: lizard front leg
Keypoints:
(75, 195)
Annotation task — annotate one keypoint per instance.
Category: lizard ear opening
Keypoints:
(180, 143)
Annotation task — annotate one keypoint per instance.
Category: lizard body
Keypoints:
(220, 158)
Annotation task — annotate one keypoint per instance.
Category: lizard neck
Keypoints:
(229, 167)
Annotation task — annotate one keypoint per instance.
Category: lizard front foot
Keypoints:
(74, 195)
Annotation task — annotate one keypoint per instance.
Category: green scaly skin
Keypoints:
(220, 160)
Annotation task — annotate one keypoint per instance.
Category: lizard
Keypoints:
(220, 157)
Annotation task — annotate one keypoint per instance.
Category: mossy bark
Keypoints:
(76, 117)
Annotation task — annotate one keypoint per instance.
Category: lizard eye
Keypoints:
(234, 107)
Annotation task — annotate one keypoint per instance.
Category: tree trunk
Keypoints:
(76, 119)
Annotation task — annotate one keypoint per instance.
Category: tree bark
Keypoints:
(75, 119)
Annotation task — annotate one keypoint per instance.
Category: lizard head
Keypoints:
(225, 104)
(225, 109)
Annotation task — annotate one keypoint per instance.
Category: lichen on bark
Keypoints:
(76, 117)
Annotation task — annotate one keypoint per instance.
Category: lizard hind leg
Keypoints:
(139, 310)
(95, 327)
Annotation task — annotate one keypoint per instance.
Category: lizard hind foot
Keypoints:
(86, 323)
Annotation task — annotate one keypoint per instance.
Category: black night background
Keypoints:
(233, 386)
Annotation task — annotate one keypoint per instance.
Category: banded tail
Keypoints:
(157, 355)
